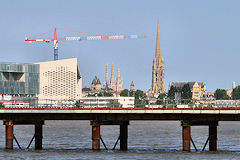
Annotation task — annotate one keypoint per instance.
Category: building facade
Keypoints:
(19, 84)
(99, 102)
(19, 79)
(60, 80)
(233, 85)
(227, 103)
(198, 89)
(158, 81)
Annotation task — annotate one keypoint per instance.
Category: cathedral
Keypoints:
(158, 81)
(113, 84)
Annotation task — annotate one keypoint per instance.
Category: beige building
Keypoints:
(60, 80)
(233, 85)
(158, 81)
(198, 89)
(229, 92)
(208, 98)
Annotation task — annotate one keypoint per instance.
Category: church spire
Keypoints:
(118, 73)
(112, 74)
(106, 82)
(118, 83)
(158, 81)
(112, 81)
(158, 49)
(106, 75)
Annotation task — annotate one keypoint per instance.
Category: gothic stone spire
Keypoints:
(106, 75)
(158, 49)
(112, 82)
(106, 82)
(158, 81)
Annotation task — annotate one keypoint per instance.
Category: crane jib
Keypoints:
(103, 37)
(97, 37)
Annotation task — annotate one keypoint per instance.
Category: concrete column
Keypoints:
(186, 136)
(38, 136)
(9, 134)
(123, 136)
(213, 137)
(95, 135)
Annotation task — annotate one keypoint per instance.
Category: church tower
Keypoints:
(112, 81)
(132, 86)
(158, 81)
(119, 82)
(106, 83)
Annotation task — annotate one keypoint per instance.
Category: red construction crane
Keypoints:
(98, 37)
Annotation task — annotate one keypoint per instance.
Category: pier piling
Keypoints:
(9, 134)
(95, 135)
(38, 136)
(186, 136)
(213, 137)
(124, 136)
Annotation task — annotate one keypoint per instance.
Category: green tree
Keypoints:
(124, 93)
(2, 105)
(140, 98)
(221, 94)
(160, 98)
(114, 104)
(236, 93)
(105, 94)
(171, 92)
(101, 94)
(78, 104)
(186, 93)
(127, 93)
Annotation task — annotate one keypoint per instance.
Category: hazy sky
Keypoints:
(200, 40)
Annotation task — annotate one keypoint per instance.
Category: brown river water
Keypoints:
(146, 140)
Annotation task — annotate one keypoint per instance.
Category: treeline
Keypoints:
(221, 94)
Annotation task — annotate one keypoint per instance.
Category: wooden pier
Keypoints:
(120, 117)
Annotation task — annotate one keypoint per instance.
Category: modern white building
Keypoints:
(93, 102)
(60, 80)
(227, 103)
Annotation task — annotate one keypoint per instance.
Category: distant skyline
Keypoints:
(199, 39)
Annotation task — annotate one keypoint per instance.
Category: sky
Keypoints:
(200, 40)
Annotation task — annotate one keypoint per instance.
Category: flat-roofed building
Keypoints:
(60, 80)
(19, 79)
(19, 84)
(99, 102)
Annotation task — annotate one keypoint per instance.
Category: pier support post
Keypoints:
(124, 136)
(213, 137)
(38, 136)
(186, 136)
(95, 135)
(9, 134)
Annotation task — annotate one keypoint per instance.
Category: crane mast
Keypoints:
(55, 45)
(102, 37)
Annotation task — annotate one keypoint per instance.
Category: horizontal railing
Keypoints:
(109, 108)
